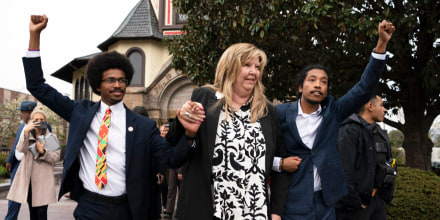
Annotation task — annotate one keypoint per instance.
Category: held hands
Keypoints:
(190, 116)
(193, 112)
(290, 164)
(385, 31)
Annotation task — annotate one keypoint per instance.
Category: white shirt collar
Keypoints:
(300, 111)
(117, 108)
(219, 95)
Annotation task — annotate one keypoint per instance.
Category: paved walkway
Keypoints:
(62, 210)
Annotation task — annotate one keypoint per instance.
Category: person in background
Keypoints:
(368, 164)
(164, 130)
(310, 130)
(174, 177)
(13, 160)
(107, 167)
(162, 177)
(227, 175)
(34, 181)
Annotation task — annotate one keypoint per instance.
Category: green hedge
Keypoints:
(3, 173)
(3, 157)
(417, 195)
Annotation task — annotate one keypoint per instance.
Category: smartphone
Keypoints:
(42, 125)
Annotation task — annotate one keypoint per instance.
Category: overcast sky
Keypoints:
(75, 29)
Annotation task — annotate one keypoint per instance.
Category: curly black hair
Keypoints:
(303, 74)
(140, 110)
(105, 61)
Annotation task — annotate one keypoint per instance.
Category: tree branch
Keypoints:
(394, 124)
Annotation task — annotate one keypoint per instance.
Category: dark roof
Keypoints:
(141, 23)
(66, 72)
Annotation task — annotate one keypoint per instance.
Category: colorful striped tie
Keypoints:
(101, 160)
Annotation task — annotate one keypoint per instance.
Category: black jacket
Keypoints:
(358, 155)
(195, 198)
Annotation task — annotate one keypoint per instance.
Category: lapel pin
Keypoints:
(130, 129)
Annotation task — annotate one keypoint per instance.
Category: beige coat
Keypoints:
(39, 170)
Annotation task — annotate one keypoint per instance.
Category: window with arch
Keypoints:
(86, 89)
(82, 89)
(77, 90)
(137, 59)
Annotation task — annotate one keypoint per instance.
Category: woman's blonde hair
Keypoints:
(38, 111)
(228, 68)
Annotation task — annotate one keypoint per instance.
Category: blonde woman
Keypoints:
(227, 175)
(34, 181)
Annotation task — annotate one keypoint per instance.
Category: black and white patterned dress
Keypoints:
(238, 171)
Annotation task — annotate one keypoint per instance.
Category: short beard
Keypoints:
(311, 102)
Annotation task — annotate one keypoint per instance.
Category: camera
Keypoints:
(42, 125)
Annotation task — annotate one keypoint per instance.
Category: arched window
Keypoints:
(77, 97)
(87, 89)
(137, 59)
(81, 88)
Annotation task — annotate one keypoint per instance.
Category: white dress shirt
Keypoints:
(308, 125)
(115, 152)
(19, 155)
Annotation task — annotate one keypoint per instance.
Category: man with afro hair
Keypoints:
(107, 167)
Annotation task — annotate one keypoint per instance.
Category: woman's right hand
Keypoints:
(192, 112)
(31, 125)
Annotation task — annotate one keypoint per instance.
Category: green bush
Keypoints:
(436, 171)
(3, 157)
(417, 195)
(399, 155)
(3, 173)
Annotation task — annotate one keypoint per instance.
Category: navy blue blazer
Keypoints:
(143, 142)
(324, 155)
(11, 158)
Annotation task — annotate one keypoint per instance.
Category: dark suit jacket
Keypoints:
(11, 158)
(143, 142)
(195, 197)
(324, 155)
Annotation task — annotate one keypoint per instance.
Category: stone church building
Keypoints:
(156, 85)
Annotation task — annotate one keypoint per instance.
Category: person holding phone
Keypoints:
(14, 158)
(34, 181)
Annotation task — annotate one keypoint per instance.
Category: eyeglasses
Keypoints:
(113, 80)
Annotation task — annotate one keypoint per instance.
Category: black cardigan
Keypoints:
(195, 196)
